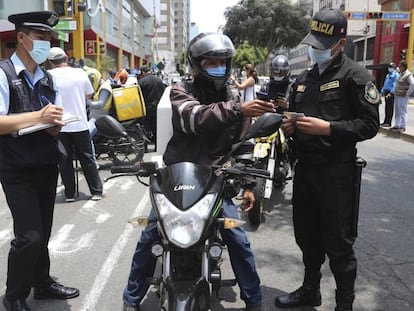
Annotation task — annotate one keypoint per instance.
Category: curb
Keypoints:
(394, 134)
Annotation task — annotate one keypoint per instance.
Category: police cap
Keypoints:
(41, 20)
(327, 27)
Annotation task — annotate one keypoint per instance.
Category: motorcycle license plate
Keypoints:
(261, 150)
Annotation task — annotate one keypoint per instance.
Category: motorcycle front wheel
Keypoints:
(255, 214)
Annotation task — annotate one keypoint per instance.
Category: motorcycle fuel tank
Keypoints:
(185, 183)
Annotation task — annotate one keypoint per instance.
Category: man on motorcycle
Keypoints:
(207, 120)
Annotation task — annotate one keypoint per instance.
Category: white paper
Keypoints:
(42, 126)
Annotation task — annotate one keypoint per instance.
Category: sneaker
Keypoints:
(96, 197)
(130, 308)
(68, 200)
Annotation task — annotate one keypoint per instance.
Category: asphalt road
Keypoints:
(92, 243)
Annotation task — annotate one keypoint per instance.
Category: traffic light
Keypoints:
(90, 47)
(101, 47)
(374, 15)
(59, 7)
(403, 54)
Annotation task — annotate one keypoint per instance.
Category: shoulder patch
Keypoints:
(371, 93)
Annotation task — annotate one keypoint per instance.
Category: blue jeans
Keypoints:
(241, 258)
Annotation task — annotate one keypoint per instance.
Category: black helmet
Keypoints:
(280, 67)
(391, 65)
(210, 45)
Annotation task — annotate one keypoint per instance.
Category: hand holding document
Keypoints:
(42, 126)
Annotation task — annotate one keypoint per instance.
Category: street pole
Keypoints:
(77, 35)
(410, 42)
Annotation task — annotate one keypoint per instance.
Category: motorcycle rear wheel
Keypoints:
(128, 155)
(255, 214)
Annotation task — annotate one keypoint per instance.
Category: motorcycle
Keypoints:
(126, 106)
(124, 148)
(187, 203)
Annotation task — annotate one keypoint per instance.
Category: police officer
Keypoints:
(28, 164)
(340, 104)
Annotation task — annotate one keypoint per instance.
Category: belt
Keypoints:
(319, 158)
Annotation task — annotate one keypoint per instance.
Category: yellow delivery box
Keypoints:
(128, 102)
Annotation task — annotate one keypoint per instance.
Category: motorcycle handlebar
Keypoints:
(122, 169)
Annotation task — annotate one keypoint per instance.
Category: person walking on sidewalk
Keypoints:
(388, 92)
(340, 103)
(403, 89)
(75, 88)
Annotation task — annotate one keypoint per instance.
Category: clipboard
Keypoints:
(42, 126)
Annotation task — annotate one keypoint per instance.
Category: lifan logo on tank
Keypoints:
(184, 187)
(93, 11)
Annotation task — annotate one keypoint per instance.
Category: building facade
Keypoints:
(119, 30)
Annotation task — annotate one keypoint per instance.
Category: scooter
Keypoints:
(187, 203)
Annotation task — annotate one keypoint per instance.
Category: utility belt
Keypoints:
(316, 158)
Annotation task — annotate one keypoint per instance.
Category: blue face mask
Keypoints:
(319, 56)
(40, 50)
(219, 71)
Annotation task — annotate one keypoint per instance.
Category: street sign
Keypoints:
(379, 15)
(65, 25)
(402, 16)
(62, 36)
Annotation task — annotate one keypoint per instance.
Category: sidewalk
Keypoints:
(408, 135)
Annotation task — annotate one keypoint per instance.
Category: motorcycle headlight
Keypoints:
(184, 228)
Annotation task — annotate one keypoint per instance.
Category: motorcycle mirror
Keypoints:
(265, 125)
(109, 127)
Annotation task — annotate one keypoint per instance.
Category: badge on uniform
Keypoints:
(371, 93)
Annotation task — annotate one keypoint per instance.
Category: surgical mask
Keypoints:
(319, 56)
(390, 70)
(40, 50)
(277, 78)
(219, 71)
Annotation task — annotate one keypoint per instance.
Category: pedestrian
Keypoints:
(247, 86)
(28, 164)
(388, 92)
(404, 88)
(152, 89)
(75, 88)
(340, 104)
(206, 120)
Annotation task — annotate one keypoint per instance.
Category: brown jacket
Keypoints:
(204, 127)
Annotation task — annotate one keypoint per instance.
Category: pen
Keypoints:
(44, 100)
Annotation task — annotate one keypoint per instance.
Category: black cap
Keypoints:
(144, 69)
(391, 65)
(328, 26)
(41, 20)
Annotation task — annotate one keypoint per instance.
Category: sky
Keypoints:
(209, 14)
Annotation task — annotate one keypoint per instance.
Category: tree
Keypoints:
(248, 54)
(271, 24)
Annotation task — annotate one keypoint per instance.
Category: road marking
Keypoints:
(89, 209)
(5, 236)
(62, 245)
(89, 303)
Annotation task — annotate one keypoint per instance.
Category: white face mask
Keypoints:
(40, 50)
(319, 56)
(277, 78)
(390, 70)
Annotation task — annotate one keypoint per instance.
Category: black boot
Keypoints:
(308, 294)
(304, 296)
